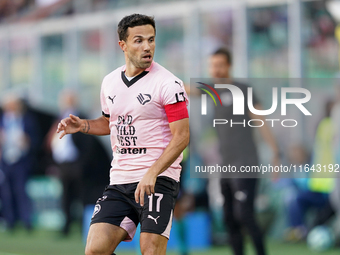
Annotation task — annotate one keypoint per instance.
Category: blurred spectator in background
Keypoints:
(18, 143)
(335, 195)
(67, 155)
(192, 197)
(41, 3)
(316, 191)
(14, 8)
(29, 10)
(81, 159)
(237, 148)
(335, 117)
(335, 206)
(32, 10)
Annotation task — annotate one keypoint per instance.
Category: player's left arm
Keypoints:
(179, 141)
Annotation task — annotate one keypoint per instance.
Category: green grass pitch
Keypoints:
(40, 242)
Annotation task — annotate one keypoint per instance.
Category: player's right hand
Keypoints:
(69, 125)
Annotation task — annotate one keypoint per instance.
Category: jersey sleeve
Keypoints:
(176, 111)
(173, 92)
(103, 102)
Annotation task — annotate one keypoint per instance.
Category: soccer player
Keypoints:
(144, 109)
(238, 149)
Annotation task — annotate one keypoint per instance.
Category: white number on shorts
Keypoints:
(158, 202)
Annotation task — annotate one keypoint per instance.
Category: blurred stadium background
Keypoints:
(47, 46)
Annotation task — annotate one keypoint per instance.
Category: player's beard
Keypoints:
(138, 63)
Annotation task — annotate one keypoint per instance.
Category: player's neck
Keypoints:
(132, 71)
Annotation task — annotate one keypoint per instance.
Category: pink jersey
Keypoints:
(139, 125)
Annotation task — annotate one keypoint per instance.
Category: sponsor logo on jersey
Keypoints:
(144, 98)
(111, 98)
(130, 150)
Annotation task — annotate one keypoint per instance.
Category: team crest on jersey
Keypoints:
(144, 98)
(96, 209)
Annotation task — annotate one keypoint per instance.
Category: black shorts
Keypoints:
(117, 206)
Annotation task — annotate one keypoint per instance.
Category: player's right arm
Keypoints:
(74, 124)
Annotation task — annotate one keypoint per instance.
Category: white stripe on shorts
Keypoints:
(130, 228)
(166, 232)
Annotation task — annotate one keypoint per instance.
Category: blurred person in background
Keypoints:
(335, 195)
(192, 197)
(317, 188)
(18, 144)
(297, 155)
(10, 9)
(80, 159)
(66, 154)
(237, 147)
(32, 10)
(288, 188)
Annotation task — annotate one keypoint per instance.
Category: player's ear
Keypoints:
(122, 45)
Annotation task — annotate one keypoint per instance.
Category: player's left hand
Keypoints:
(146, 185)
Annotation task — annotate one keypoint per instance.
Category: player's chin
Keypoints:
(145, 63)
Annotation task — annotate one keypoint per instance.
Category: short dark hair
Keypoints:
(225, 52)
(133, 20)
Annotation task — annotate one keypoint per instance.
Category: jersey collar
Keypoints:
(136, 78)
